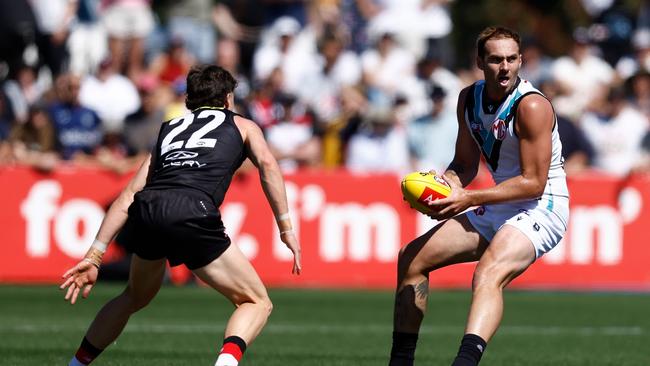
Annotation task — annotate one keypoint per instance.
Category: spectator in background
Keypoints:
(26, 90)
(53, 18)
(294, 140)
(176, 108)
(432, 138)
(6, 122)
(337, 69)
(615, 129)
(111, 95)
(536, 66)
(380, 145)
(384, 67)
(78, 129)
(173, 64)
(127, 22)
(577, 151)
(287, 48)
(33, 143)
(417, 88)
(141, 128)
(579, 76)
(191, 22)
(18, 40)
(639, 89)
(88, 41)
(639, 62)
(228, 57)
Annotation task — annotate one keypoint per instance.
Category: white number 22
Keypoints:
(196, 139)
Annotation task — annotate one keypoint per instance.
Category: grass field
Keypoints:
(183, 326)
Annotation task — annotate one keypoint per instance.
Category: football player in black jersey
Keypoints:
(170, 212)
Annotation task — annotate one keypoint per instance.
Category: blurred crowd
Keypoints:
(366, 85)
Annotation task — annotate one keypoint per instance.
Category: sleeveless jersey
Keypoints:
(200, 151)
(493, 129)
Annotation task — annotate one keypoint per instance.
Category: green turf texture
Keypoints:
(183, 326)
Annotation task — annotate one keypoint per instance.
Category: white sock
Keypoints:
(226, 359)
(75, 362)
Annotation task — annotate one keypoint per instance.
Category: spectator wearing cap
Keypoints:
(579, 75)
(432, 137)
(284, 46)
(113, 96)
(380, 145)
(639, 62)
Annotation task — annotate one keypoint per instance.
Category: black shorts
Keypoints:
(181, 225)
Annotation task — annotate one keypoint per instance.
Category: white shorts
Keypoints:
(543, 221)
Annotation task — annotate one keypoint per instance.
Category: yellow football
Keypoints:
(420, 189)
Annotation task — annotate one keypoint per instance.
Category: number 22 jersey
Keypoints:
(200, 150)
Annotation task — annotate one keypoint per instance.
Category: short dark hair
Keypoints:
(495, 33)
(208, 85)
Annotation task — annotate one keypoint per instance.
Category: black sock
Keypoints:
(470, 351)
(87, 352)
(403, 352)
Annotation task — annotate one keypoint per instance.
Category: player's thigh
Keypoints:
(453, 241)
(145, 279)
(233, 275)
(509, 254)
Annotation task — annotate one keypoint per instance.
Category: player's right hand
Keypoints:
(80, 277)
(289, 238)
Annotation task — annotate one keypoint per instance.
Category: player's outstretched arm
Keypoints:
(272, 184)
(83, 275)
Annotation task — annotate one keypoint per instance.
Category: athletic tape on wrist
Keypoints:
(284, 216)
(99, 245)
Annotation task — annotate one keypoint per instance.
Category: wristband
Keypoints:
(286, 231)
(284, 216)
(94, 256)
(99, 245)
(91, 262)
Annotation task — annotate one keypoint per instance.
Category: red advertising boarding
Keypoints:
(351, 228)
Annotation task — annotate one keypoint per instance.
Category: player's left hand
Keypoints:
(289, 238)
(458, 201)
(80, 277)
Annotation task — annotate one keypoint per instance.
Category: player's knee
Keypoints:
(487, 278)
(267, 305)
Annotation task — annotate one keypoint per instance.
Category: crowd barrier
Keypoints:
(351, 228)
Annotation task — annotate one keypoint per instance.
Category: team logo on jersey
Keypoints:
(181, 155)
(499, 129)
(475, 126)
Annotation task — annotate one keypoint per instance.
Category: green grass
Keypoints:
(183, 326)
